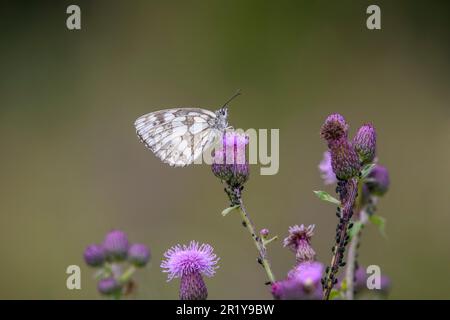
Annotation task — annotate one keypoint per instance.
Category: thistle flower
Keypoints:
(116, 245)
(344, 159)
(335, 127)
(94, 255)
(138, 254)
(327, 173)
(190, 263)
(302, 283)
(108, 286)
(229, 162)
(360, 281)
(365, 143)
(299, 241)
(378, 182)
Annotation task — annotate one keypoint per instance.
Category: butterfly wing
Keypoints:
(177, 136)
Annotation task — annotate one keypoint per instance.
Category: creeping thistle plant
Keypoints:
(116, 261)
(360, 182)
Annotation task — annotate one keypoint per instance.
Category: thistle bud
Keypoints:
(94, 255)
(344, 159)
(365, 143)
(378, 182)
(116, 245)
(108, 286)
(230, 163)
(138, 254)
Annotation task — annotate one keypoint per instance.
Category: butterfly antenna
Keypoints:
(238, 93)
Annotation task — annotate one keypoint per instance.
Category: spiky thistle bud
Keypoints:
(94, 255)
(344, 159)
(108, 286)
(138, 254)
(116, 245)
(365, 142)
(229, 162)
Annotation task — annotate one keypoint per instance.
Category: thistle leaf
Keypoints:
(228, 210)
(266, 242)
(334, 294)
(322, 195)
(380, 222)
(366, 170)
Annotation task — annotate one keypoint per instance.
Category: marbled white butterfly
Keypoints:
(179, 136)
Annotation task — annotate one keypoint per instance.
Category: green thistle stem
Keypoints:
(262, 250)
(126, 276)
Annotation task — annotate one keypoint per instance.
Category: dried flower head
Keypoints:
(335, 127)
(299, 241)
(365, 142)
(190, 263)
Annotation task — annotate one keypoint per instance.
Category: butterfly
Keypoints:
(179, 136)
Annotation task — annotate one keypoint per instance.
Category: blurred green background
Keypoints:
(72, 168)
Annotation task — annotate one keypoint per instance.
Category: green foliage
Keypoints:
(366, 170)
(228, 210)
(380, 222)
(322, 195)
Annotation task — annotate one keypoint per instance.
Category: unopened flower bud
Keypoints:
(138, 254)
(116, 245)
(94, 255)
(364, 143)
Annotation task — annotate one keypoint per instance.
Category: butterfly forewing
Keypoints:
(177, 136)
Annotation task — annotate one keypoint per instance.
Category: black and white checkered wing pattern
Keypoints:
(177, 136)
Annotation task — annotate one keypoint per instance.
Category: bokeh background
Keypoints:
(72, 169)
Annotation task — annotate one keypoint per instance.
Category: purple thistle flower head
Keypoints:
(94, 255)
(299, 241)
(378, 182)
(335, 127)
(365, 142)
(138, 254)
(229, 162)
(186, 259)
(344, 159)
(327, 173)
(302, 283)
(190, 263)
(108, 286)
(360, 281)
(116, 245)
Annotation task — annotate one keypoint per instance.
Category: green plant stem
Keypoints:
(351, 264)
(263, 258)
(126, 276)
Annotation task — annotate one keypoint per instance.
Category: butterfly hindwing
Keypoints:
(177, 136)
